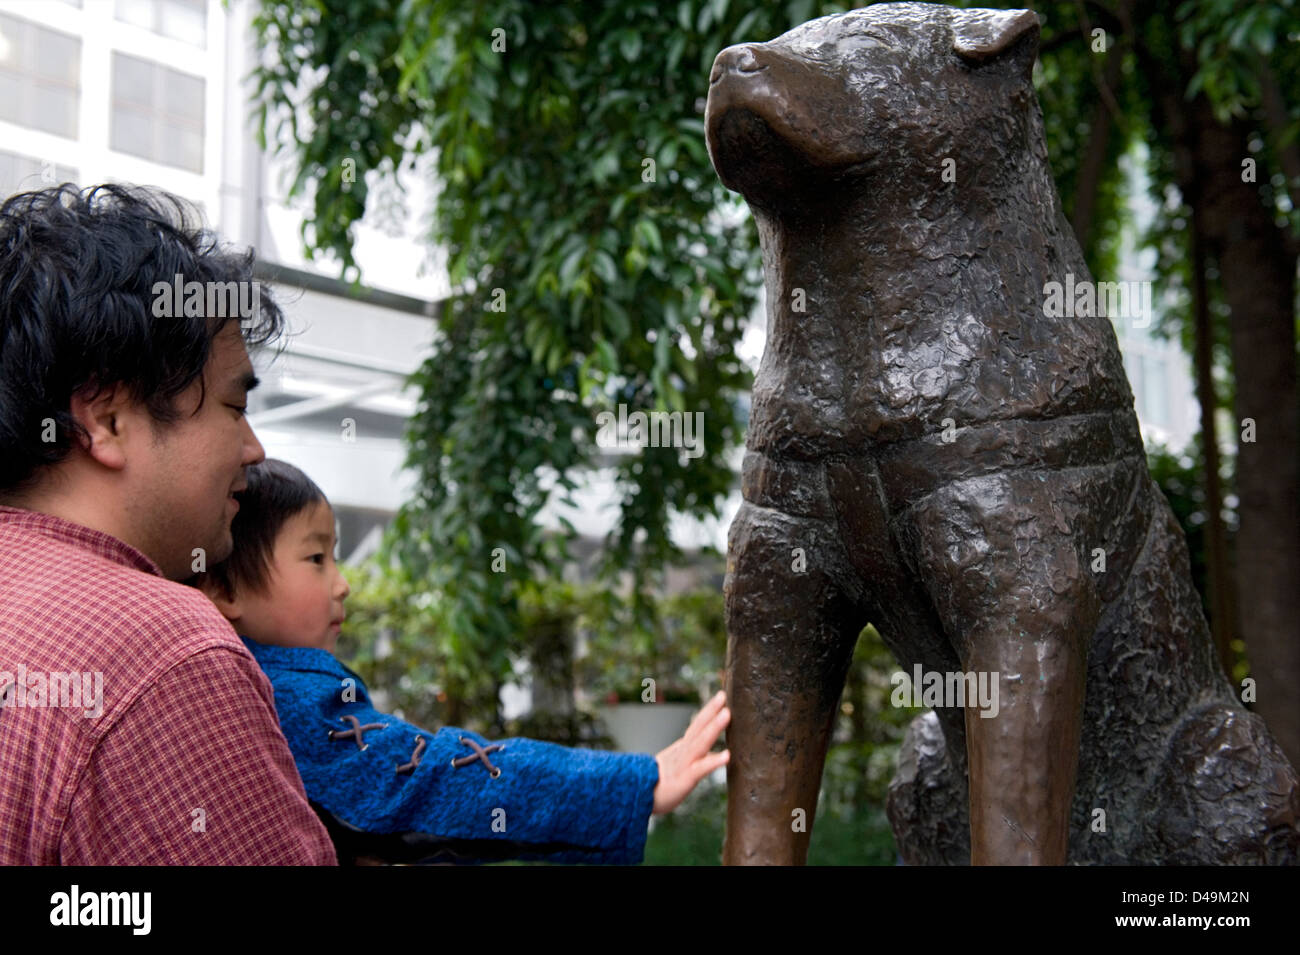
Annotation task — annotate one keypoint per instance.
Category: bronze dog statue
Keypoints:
(934, 450)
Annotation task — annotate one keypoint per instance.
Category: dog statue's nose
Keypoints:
(741, 58)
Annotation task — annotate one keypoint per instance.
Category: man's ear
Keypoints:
(1009, 37)
(103, 418)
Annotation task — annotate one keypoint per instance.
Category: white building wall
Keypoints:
(354, 352)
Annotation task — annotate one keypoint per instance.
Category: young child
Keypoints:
(391, 791)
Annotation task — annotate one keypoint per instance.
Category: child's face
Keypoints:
(304, 606)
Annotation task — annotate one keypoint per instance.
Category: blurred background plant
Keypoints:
(610, 648)
(580, 644)
(681, 645)
(850, 827)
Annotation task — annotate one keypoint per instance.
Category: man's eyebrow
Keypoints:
(318, 535)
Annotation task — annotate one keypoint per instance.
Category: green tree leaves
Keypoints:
(543, 118)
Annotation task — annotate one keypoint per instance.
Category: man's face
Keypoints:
(185, 473)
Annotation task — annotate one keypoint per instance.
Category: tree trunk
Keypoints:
(1169, 117)
(1223, 609)
(1099, 135)
(1257, 274)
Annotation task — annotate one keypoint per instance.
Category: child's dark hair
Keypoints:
(276, 492)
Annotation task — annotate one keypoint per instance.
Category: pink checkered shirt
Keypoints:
(185, 764)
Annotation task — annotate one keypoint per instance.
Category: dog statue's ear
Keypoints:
(984, 36)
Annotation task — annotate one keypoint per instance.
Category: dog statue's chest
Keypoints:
(849, 377)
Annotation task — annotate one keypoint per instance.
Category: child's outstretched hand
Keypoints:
(687, 761)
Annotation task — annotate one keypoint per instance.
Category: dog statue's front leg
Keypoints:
(1004, 566)
(1023, 760)
(791, 632)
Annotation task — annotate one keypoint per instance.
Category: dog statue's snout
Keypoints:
(741, 58)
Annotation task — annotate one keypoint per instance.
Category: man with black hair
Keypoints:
(122, 442)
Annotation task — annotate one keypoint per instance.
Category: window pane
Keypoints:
(184, 97)
(10, 98)
(131, 133)
(11, 43)
(184, 21)
(58, 57)
(132, 80)
(23, 173)
(46, 175)
(192, 150)
(180, 147)
(136, 12)
(8, 174)
(157, 113)
(53, 109)
(29, 173)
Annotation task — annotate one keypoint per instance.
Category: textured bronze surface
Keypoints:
(931, 452)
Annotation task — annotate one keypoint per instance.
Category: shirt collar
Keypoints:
(98, 542)
(296, 658)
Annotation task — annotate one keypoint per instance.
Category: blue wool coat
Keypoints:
(447, 801)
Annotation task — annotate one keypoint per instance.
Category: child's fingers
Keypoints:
(705, 735)
(706, 713)
(716, 702)
(707, 725)
(712, 762)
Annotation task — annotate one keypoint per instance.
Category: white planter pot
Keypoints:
(646, 727)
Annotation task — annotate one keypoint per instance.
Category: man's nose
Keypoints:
(254, 453)
(345, 587)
